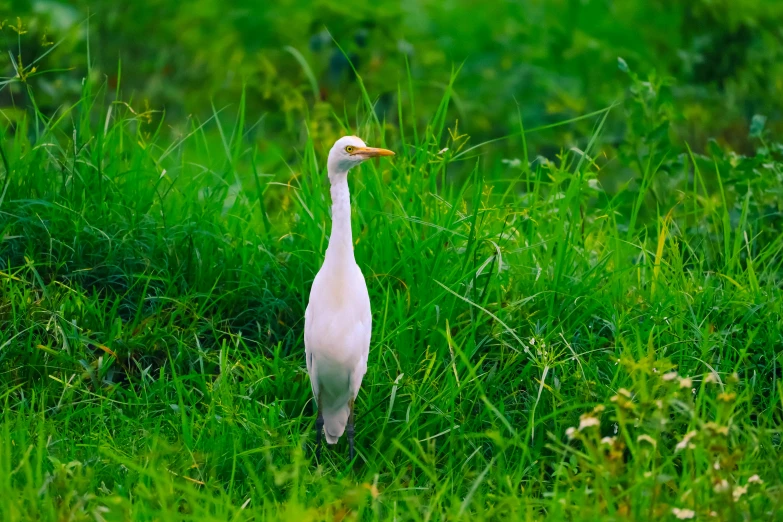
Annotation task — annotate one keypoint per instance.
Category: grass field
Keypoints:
(593, 333)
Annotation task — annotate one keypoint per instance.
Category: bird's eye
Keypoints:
(349, 149)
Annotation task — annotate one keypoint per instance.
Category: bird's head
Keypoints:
(348, 152)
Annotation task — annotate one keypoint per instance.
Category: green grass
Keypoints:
(153, 284)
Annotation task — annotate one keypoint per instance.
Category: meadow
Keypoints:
(576, 280)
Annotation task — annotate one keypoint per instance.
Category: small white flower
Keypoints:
(683, 514)
(755, 479)
(586, 422)
(685, 442)
(610, 440)
(570, 432)
(669, 376)
(686, 382)
(739, 491)
(711, 378)
(721, 486)
(647, 438)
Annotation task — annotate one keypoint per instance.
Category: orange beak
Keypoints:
(372, 152)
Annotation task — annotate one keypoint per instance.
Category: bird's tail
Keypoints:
(334, 423)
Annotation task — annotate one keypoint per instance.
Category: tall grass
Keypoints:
(542, 346)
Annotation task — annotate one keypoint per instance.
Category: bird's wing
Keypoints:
(357, 375)
(364, 332)
(309, 359)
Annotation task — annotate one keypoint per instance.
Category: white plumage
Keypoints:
(338, 320)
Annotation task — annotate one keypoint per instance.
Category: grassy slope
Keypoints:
(151, 302)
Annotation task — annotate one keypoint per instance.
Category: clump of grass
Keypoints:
(542, 346)
(667, 445)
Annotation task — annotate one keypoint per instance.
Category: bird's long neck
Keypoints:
(341, 239)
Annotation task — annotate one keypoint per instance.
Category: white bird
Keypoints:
(338, 320)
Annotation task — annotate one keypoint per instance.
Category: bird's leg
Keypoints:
(349, 429)
(319, 428)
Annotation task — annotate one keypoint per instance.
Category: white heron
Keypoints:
(338, 321)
